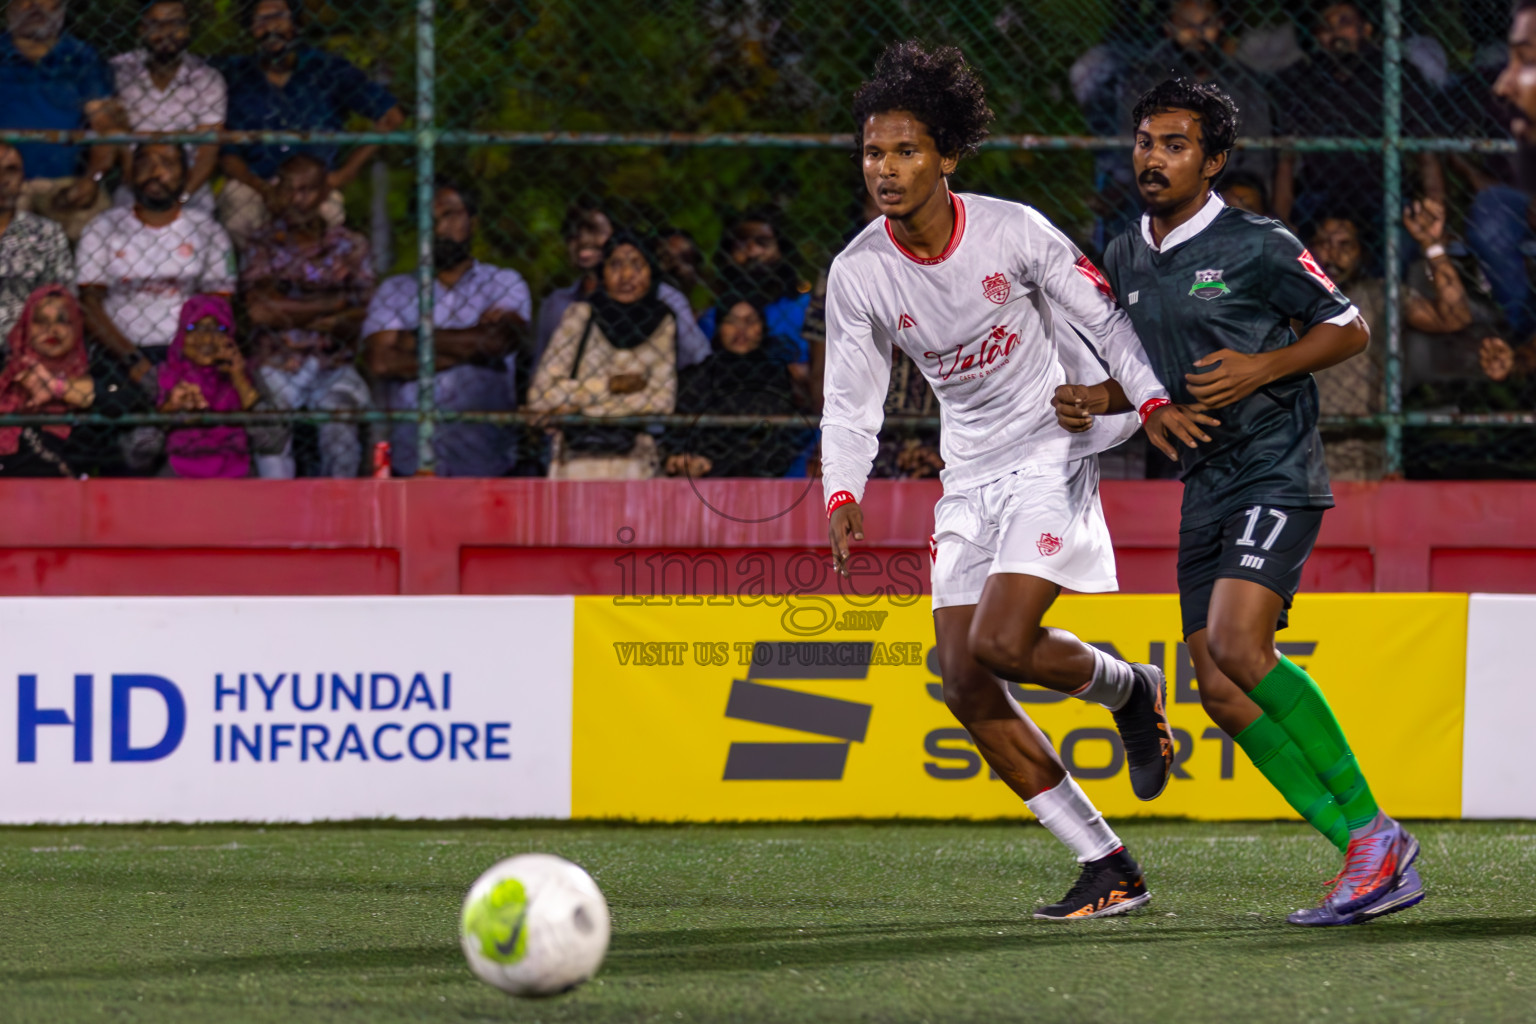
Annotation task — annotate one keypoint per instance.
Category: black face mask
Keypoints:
(448, 253)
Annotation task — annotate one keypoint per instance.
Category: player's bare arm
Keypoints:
(1077, 404)
(1225, 376)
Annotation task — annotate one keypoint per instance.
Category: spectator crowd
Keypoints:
(225, 278)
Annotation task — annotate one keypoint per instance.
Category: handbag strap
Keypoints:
(581, 346)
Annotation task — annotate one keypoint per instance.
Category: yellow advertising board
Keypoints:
(726, 709)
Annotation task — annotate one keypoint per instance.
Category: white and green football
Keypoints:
(534, 925)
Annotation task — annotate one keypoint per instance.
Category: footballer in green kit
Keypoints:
(1213, 293)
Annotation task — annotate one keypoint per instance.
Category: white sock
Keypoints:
(1111, 683)
(1071, 817)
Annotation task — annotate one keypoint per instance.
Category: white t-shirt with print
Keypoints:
(149, 273)
(197, 96)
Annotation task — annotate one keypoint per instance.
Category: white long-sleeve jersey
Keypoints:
(990, 322)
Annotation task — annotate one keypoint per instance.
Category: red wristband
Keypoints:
(840, 498)
(1150, 404)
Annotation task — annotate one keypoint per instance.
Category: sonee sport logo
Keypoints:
(840, 722)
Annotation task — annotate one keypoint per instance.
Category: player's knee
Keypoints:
(1239, 656)
(1009, 654)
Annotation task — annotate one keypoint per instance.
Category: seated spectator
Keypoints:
(33, 250)
(613, 355)
(139, 265)
(163, 88)
(754, 262)
(205, 372)
(1337, 92)
(478, 313)
(587, 229)
(47, 372)
(739, 378)
(1246, 192)
(1197, 45)
(288, 87)
(51, 80)
(307, 286)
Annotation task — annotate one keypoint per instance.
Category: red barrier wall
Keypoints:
(428, 536)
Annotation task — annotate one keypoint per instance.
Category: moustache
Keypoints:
(1152, 178)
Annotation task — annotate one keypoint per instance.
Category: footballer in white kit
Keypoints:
(993, 303)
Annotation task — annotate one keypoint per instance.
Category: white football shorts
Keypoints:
(1041, 521)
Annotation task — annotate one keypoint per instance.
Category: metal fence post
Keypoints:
(1392, 206)
(426, 143)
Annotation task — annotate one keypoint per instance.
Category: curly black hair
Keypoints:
(938, 87)
(1219, 116)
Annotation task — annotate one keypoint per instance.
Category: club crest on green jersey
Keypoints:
(1208, 285)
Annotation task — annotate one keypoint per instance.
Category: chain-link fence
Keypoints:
(514, 175)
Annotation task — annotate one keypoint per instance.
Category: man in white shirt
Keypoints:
(138, 265)
(163, 88)
(987, 298)
(478, 312)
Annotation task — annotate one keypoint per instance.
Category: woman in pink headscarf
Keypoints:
(204, 371)
(48, 372)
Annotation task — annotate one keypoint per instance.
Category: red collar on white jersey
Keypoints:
(954, 237)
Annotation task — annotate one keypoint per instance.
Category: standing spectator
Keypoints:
(738, 378)
(612, 355)
(47, 372)
(1516, 88)
(478, 311)
(754, 262)
(814, 329)
(205, 372)
(1198, 46)
(51, 80)
(33, 250)
(1436, 310)
(682, 263)
(1337, 92)
(307, 285)
(140, 264)
(1246, 192)
(587, 229)
(163, 88)
(1096, 78)
(1499, 223)
(288, 87)
(1354, 387)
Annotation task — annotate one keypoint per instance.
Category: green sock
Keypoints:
(1276, 757)
(1290, 697)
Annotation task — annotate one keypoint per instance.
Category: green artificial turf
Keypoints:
(801, 922)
